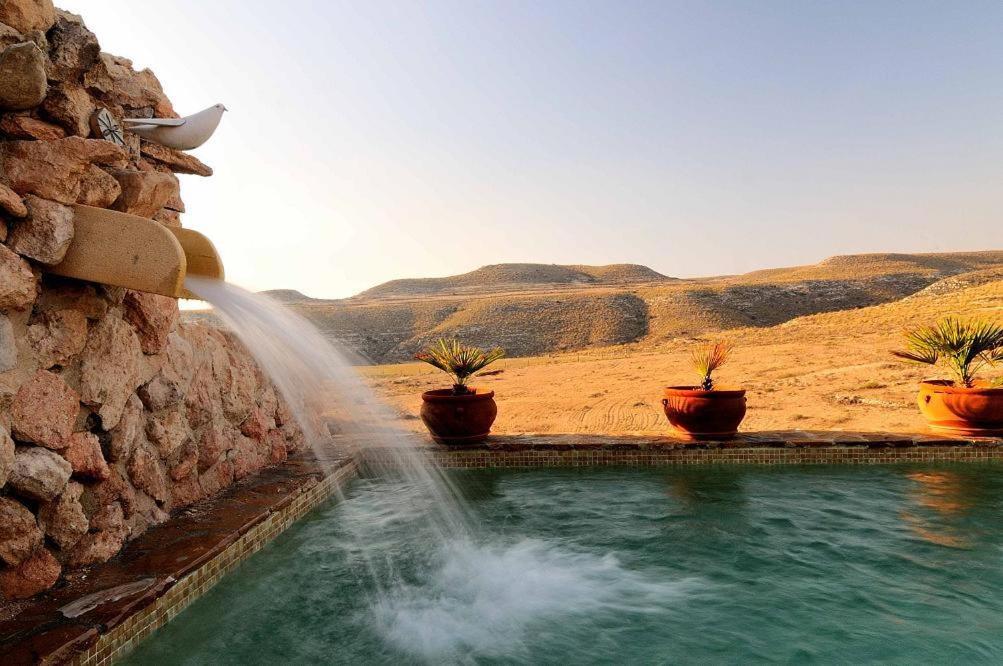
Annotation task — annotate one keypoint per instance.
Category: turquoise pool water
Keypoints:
(621, 566)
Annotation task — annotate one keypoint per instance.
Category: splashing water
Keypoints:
(476, 594)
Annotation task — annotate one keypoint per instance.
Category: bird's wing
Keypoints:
(169, 122)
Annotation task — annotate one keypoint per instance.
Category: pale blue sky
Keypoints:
(373, 140)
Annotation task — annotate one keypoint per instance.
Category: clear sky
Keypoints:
(374, 140)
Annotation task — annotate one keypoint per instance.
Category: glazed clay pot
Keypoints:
(956, 410)
(700, 414)
(458, 419)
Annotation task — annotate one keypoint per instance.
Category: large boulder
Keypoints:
(144, 192)
(98, 188)
(107, 533)
(38, 474)
(70, 106)
(58, 337)
(44, 410)
(63, 520)
(122, 438)
(23, 83)
(54, 169)
(110, 367)
(19, 532)
(28, 15)
(171, 384)
(167, 431)
(113, 80)
(153, 316)
(27, 127)
(147, 473)
(35, 574)
(85, 457)
(17, 282)
(11, 203)
(47, 232)
(73, 49)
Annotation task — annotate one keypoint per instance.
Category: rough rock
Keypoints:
(122, 438)
(113, 80)
(38, 474)
(8, 346)
(255, 426)
(17, 282)
(54, 169)
(65, 294)
(167, 431)
(248, 457)
(46, 234)
(212, 445)
(153, 316)
(147, 474)
(217, 477)
(175, 160)
(71, 107)
(35, 574)
(98, 188)
(168, 217)
(9, 36)
(28, 15)
(144, 192)
(19, 532)
(11, 203)
(277, 446)
(6, 456)
(26, 127)
(58, 337)
(108, 374)
(85, 457)
(186, 463)
(43, 411)
(23, 83)
(108, 532)
(63, 520)
(73, 49)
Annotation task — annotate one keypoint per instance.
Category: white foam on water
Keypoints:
(482, 599)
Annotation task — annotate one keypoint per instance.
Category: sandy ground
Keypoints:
(832, 371)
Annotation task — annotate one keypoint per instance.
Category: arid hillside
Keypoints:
(828, 371)
(534, 309)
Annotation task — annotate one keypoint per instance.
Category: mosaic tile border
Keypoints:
(117, 642)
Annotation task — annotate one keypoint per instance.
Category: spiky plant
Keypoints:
(965, 346)
(708, 359)
(459, 360)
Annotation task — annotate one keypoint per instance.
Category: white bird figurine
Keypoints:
(178, 133)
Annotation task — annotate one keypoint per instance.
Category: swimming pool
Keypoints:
(614, 565)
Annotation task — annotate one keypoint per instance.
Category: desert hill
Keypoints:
(505, 277)
(535, 309)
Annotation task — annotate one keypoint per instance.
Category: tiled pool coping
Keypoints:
(173, 564)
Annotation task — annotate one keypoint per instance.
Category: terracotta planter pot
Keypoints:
(700, 414)
(458, 419)
(956, 410)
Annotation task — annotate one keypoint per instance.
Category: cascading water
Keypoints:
(471, 593)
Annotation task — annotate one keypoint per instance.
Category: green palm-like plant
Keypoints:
(965, 347)
(459, 360)
(708, 359)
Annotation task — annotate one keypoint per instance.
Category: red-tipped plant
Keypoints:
(708, 359)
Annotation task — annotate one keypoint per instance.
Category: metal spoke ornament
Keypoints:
(104, 125)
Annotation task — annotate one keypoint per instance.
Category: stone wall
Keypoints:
(112, 412)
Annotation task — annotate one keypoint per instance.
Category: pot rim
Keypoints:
(947, 386)
(446, 395)
(697, 392)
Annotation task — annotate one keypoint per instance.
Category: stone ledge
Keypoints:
(158, 574)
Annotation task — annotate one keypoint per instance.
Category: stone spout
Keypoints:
(125, 250)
